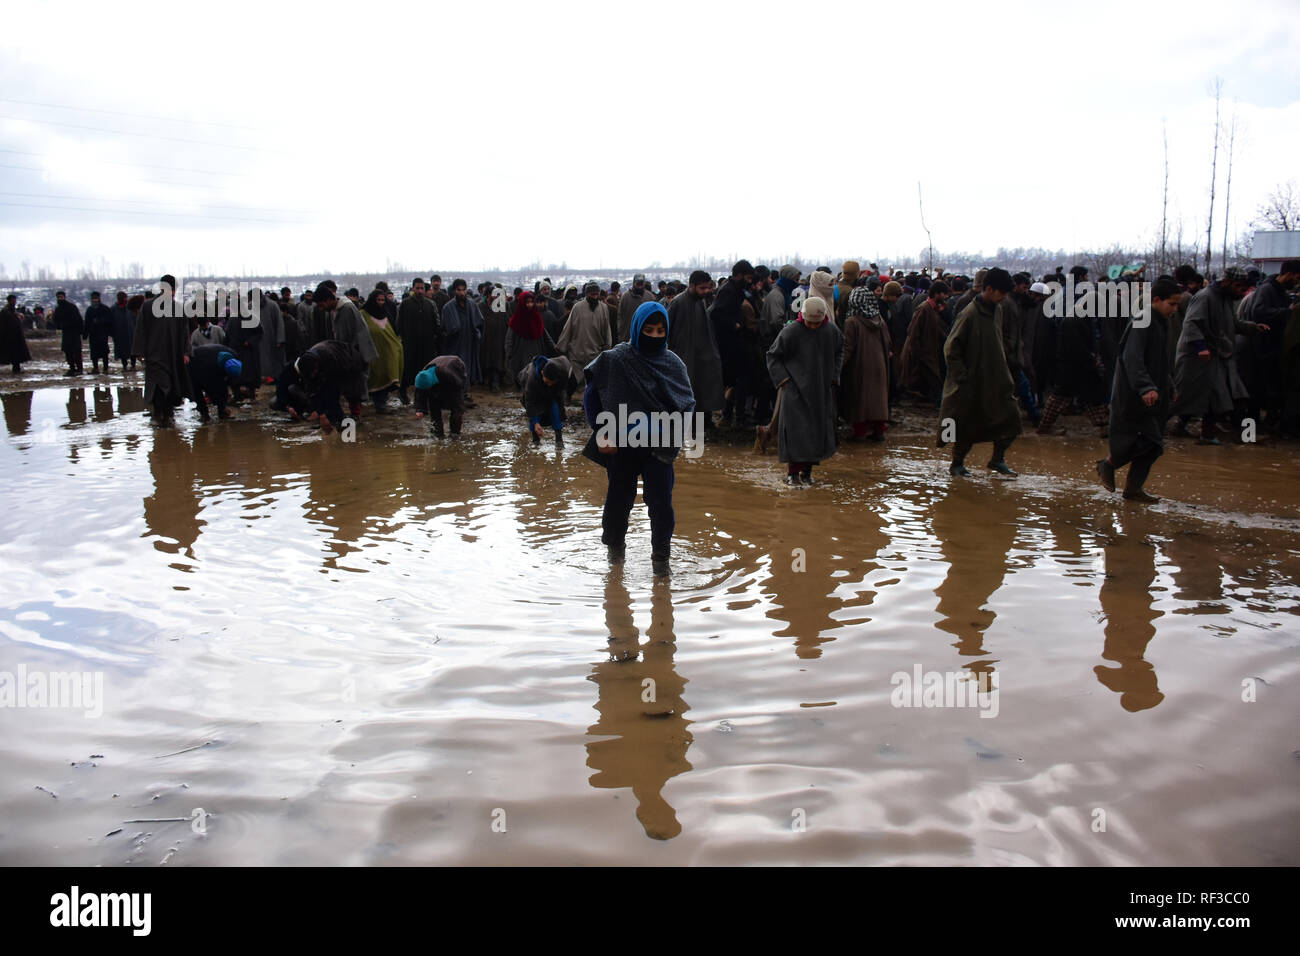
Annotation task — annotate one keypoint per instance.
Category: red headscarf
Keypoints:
(526, 322)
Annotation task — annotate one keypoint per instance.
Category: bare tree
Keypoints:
(1164, 211)
(929, 238)
(1214, 163)
(1282, 208)
(1227, 192)
(1241, 249)
(1100, 260)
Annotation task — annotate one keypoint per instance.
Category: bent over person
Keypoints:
(441, 384)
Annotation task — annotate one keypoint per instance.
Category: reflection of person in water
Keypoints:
(18, 411)
(77, 406)
(1126, 601)
(975, 540)
(1196, 570)
(642, 723)
(129, 399)
(103, 403)
(801, 583)
(171, 513)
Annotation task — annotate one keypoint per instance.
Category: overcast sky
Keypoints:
(265, 139)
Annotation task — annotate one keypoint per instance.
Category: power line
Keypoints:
(119, 162)
(144, 212)
(164, 119)
(153, 202)
(154, 182)
(123, 132)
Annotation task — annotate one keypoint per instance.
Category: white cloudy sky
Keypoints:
(266, 138)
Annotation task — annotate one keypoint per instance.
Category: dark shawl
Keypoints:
(644, 383)
(163, 341)
(13, 343)
(921, 364)
(1142, 364)
(864, 379)
(464, 332)
(421, 331)
(123, 331)
(492, 355)
(246, 342)
(99, 326)
(978, 394)
(691, 336)
(811, 359)
(67, 318)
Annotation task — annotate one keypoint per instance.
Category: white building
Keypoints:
(1272, 248)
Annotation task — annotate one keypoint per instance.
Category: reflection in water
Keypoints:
(498, 541)
(866, 538)
(18, 412)
(171, 513)
(77, 406)
(801, 581)
(975, 543)
(1127, 602)
(641, 708)
(129, 399)
(102, 399)
(1196, 572)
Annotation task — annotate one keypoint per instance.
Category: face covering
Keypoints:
(647, 345)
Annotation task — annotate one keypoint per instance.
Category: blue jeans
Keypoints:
(555, 414)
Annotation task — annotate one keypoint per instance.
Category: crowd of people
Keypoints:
(786, 355)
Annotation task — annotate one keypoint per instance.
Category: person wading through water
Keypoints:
(979, 397)
(1141, 398)
(804, 363)
(643, 376)
(162, 340)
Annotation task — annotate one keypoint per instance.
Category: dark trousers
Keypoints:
(657, 477)
(738, 404)
(1139, 464)
(73, 354)
(325, 401)
(217, 394)
(961, 449)
(457, 409)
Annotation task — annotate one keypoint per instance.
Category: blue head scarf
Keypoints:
(426, 378)
(234, 368)
(639, 318)
(641, 381)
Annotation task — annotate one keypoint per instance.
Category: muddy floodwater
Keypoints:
(405, 651)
